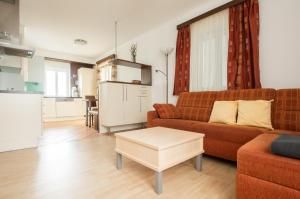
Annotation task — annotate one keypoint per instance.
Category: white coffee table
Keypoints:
(159, 148)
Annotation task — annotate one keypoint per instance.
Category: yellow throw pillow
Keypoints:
(255, 113)
(224, 112)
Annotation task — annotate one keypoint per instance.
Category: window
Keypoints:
(57, 79)
(209, 51)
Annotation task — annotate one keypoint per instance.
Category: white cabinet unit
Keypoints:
(123, 104)
(20, 120)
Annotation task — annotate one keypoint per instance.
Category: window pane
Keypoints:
(57, 79)
(62, 90)
(209, 50)
(50, 83)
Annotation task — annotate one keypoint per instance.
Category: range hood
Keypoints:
(8, 48)
(10, 40)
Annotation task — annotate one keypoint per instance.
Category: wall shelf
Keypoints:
(146, 70)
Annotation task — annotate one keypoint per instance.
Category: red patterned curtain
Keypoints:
(243, 51)
(182, 69)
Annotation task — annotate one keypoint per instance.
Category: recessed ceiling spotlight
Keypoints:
(80, 42)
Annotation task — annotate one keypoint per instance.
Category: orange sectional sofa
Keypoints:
(254, 156)
(263, 175)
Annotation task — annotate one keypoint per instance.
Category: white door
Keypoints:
(112, 97)
(132, 104)
(145, 100)
(145, 107)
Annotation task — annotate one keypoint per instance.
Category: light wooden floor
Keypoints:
(85, 169)
(65, 131)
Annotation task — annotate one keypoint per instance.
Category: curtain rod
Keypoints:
(209, 13)
(66, 61)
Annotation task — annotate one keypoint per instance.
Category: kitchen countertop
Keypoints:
(119, 82)
(21, 92)
(62, 97)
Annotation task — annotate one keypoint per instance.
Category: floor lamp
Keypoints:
(166, 52)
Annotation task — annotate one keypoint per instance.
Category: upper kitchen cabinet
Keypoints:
(33, 71)
(36, 69)
(10, 61)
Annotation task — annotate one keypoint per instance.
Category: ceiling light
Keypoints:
(80, 42)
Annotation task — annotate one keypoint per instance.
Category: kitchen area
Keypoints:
(36, 92)
(35, 89)
(21, 110)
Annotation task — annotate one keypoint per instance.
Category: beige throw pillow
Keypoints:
(224, 112)
(255, 113)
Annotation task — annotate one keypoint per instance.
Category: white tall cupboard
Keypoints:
(86, 82)
(123, 104)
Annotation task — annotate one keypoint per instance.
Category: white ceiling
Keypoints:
(54, 24)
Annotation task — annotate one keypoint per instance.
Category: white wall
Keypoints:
(280, 43)
(279, 46)
(126, 74)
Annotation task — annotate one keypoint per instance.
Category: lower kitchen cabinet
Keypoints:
(63, 108)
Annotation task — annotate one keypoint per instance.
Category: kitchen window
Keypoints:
(57, 76)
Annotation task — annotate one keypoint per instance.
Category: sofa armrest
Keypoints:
(151, 115)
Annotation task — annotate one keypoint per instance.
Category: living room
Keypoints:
(191, 99)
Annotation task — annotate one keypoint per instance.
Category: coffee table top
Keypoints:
(159, 138)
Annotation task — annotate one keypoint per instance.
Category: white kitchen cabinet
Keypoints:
(49, 108)
(20, 120)
(63, 108)
(123, 104)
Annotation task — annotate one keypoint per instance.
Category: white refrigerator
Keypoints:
(87, 82)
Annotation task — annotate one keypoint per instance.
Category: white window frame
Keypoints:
(58, 67)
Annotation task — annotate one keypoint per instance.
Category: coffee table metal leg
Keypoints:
(198, 162)
(119, 161)
(158, 182)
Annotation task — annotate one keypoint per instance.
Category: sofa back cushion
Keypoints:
(167, 111)
(247, 94)
(287, 109)
(196, 105)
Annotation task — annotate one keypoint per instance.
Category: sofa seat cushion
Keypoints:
(187, 125)
(230, 133)
(256, 160)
